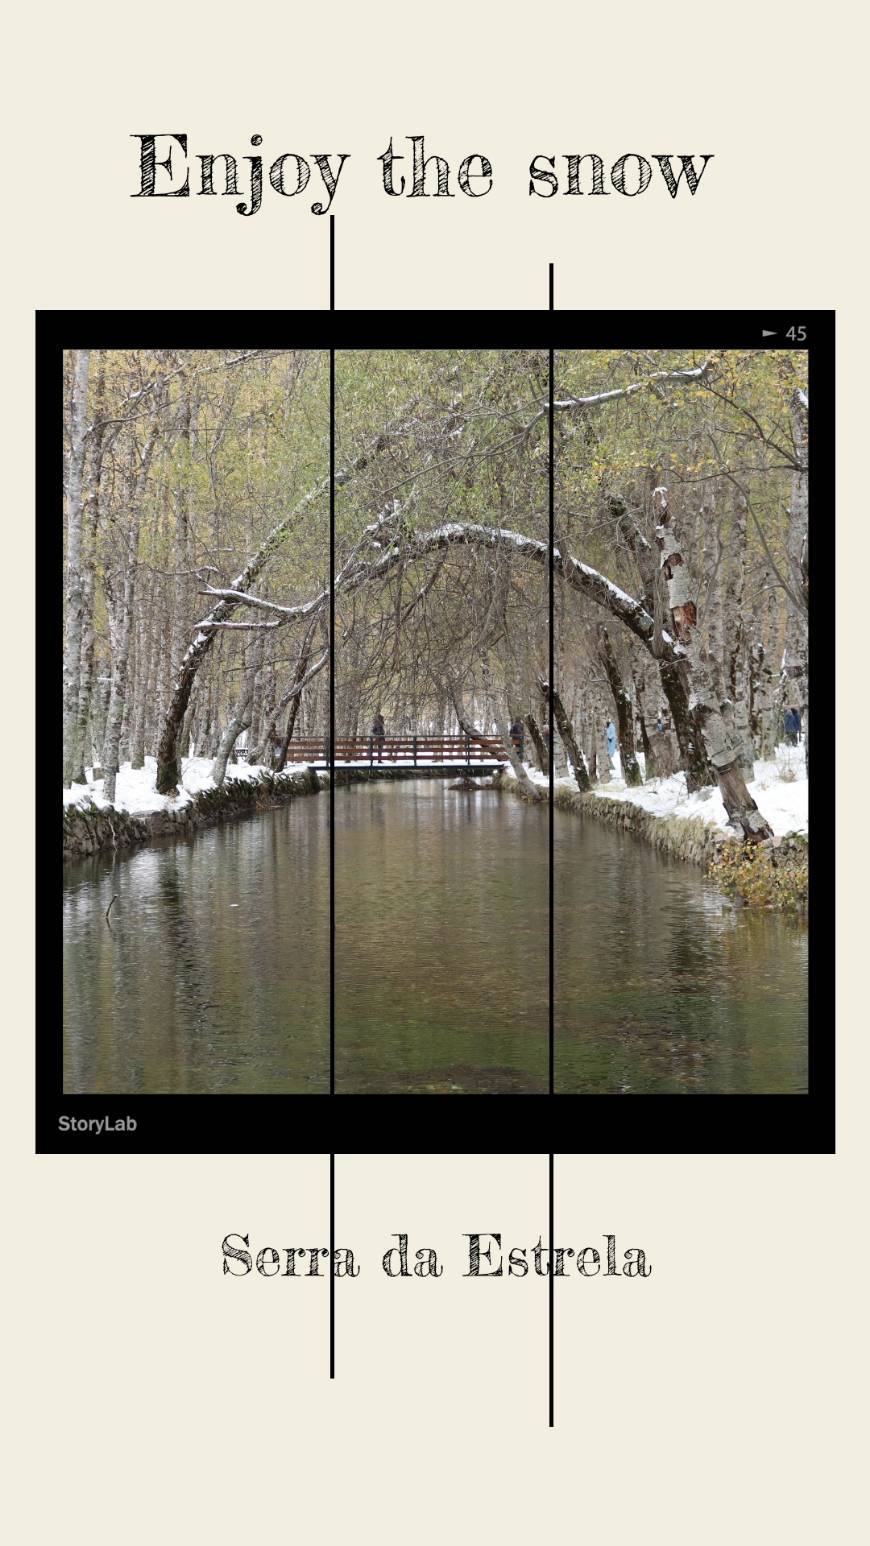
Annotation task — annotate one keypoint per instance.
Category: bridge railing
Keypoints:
(417, 750)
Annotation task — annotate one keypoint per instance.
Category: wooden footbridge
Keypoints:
(447, 753)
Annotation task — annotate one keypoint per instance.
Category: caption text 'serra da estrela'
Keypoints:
(484, 1256)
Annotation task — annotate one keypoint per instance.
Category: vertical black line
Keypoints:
(331, 764)
(552, 671)
(331, 757)
(332, 1266)
(551, 1306)
(552, 1289)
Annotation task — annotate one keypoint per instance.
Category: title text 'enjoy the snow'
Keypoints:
(168, 170)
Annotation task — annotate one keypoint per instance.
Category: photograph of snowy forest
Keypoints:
(253, 688)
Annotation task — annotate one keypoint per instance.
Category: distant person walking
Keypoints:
(518, 737)
(378, 734)
(610, 732)
(792, 727)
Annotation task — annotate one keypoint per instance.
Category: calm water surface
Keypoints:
(215, 974)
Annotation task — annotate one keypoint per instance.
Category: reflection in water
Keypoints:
(441, 941)
(660, 985)
(216, 974)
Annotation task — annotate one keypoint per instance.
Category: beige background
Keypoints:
(152, 1399)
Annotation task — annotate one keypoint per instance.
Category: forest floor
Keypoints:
(779, 788)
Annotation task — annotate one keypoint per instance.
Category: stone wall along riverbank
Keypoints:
(90, 829)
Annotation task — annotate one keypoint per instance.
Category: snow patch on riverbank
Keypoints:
(135, 791)
(779, 788)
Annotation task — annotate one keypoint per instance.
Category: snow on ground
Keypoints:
(135, 791)
(779, 789)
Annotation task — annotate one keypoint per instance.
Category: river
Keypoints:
(214, 974)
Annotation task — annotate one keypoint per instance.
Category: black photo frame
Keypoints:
(239, 1123)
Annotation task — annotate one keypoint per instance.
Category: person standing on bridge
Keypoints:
(378, 733)
(518, 737)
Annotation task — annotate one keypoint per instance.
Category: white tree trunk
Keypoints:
(723, 754)
(239, 720)
(794, 691)
(72, 652)
(121, 655)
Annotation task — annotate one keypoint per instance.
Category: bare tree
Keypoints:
(72, 752)
(722, 754)
(137, 479)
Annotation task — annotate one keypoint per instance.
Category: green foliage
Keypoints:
(696, 441)
(423, 437)
(764, 875)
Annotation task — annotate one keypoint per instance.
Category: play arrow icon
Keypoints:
(766, 333)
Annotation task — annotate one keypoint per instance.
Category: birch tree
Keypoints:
(795, 658)
(72, 750)
(137, 479)
(442, 549)
(722, 753)
(240, 715)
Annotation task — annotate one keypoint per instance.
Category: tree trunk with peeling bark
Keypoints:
(671, 671)
(722, 754)
(675, 680)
